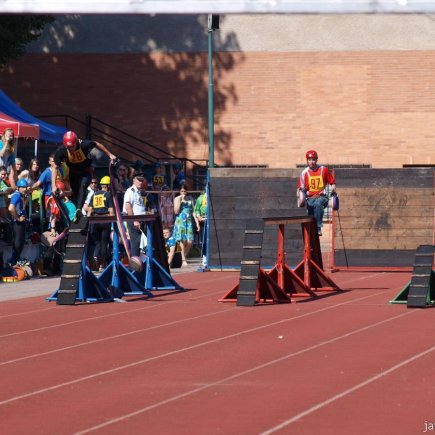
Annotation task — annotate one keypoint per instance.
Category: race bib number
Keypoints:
(159, 180)
(99, 201)
(316, 183)
(77, 156)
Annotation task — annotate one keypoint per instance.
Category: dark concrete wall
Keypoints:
(385, 214)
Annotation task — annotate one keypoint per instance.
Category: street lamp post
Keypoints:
(213, 24)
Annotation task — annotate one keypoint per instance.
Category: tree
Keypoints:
(16, 31)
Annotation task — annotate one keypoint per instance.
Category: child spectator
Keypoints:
(172, 248)
(55, 213)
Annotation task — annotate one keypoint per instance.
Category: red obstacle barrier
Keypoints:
(282, 283)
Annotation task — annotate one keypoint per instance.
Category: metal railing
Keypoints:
(132, 148)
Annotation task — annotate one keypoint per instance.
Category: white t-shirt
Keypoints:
(88, 200)
(134, 197)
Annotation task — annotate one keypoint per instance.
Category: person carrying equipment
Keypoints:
(313, 181)
(76, 154)
(101, 204)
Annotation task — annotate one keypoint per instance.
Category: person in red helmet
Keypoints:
(76, 154)
(313, 181)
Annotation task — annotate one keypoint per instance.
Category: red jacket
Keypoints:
(315, 181)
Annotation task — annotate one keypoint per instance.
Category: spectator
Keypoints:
(122, 182)
(33, 173)
(17, 172)
(56, 214)
(172, 248)
(179, 178)
(91, 189)
(76, 154)
(63, 174)
(7, 148)
(313, 181)
(101, 205)
(17, 209)
(200, 215)
(4, 190)
(183, 227)
(159, 177)
(166, 207)
(45, 180)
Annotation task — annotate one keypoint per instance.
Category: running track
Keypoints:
(183, 363)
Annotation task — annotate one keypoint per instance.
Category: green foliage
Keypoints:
(16, 31)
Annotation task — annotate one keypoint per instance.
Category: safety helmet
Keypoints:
(105, 180)
(22, 183)
(69, 139)
(311, 155)
(60, 185)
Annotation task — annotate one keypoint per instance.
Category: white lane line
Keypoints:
(61, 325)
(111, 337)
(347, 392)
(25, 313)
(91, 342)
(237, 375)
(192, 347)
(87, 319)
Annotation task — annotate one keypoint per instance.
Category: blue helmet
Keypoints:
(22, 183)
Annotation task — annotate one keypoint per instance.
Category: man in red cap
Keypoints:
(313, 181)
(76, 154)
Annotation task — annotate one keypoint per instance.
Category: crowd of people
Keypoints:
(44, 200)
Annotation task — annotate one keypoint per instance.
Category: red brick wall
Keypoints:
(353, 107)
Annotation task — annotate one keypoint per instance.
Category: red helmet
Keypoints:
(311, 155)
(69, 139)
(60, 185)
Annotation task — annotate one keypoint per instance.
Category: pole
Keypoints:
(210, 98)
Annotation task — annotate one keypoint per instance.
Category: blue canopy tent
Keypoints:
(48, 132)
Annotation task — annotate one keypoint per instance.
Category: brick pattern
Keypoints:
(375, 107)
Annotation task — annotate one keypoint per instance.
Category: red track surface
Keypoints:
(183, 363)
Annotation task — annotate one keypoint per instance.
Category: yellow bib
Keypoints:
(77, 156)
(99, 201)
(315, 182)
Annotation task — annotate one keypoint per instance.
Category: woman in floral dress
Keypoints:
(183, 227)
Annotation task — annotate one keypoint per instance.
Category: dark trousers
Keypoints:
(100, 238)
(79, 183)
(135, 235)
(19, 229)
(202, 237)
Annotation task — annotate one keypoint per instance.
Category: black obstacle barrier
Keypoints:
(420, 291)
